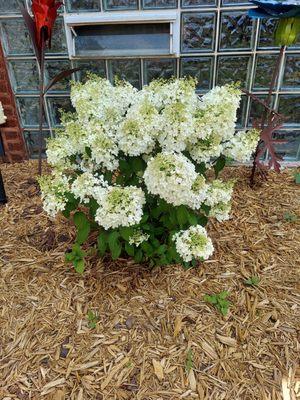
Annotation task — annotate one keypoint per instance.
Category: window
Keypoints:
(139, 34)
(123, 39)
(211, 40)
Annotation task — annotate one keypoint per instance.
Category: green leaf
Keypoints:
(201, 168)
(252, 281)
(120, 180)
(114, 244)
(163, 260)
(192, 218)
(159, 230)
(172, 217)
(290, 217)
(144, 218)
(102, 243)
(210, 299)
(206, 209)
(92, 318)
(69, 257)
(162, 249)
(88, 152)
(124, 166)
(137, 164)
(223, 294)
(202, 220)
(155, 212)
(173, 255)
(219, 301)
(187, 265)
(93, 207)
(219, 165)
(79, 266)
(71, 205)
(147, 227)
(77, 251)
(148, 249)
(83, 227)
(189, 363)
(108, 176)
(182, 215)
(297, 178)
(126, 232)
(138, 256)
(129, 248)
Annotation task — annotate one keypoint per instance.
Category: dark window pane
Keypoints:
(159, 68)
(15, 37)
(123, 39)
(233, 69)
(54, 67)
(128, 70)
(56, 105)
(197, 32)
(234, 2)
(120, 4)
(263, 71)
(241, 112)
(198, 3)
(83, 5)
(9, 7)
(96, 67)
(291, 77)
(236, 31)
(29, 111)
(24, 75)
(58, 42)
(32, 142)
(266, 34)
(159, 3)
(199, 68)
(257, 110)
(289, 151)
(289, 105)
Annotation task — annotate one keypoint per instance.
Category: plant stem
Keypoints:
(41, 100)
(267, 114)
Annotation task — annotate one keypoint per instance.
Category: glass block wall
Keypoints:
(219, 44)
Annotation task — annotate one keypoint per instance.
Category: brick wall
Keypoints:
(10, 132)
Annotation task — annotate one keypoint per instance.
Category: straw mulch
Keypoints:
(155, 337)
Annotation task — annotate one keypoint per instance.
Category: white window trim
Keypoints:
(125, 17)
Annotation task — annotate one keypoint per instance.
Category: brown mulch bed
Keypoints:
(155, 337)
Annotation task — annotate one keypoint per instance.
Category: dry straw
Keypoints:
(155, 337)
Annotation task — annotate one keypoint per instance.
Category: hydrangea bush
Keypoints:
(135, 165)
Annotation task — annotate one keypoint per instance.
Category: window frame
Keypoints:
(124, 17)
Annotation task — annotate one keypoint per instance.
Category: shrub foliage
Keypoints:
(134, 165)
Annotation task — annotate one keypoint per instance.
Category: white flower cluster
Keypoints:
(87, 186)
(218, 198)
(2, 116)
(193, 243)
(165, 125)
(215, 120)
(242, 145)
(173, 177)
(54, 189)
(120, 206)
(138, 237)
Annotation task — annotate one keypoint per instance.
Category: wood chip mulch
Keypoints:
(155, 337)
